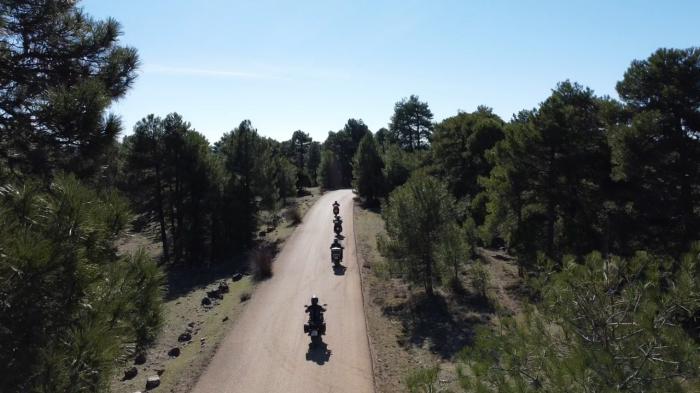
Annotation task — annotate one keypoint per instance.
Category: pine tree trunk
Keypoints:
(161, 216)
(550, 228)
(428, 275)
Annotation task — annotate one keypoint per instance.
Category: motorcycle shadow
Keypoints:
(340, 237)
(318, 353)
(339, 270)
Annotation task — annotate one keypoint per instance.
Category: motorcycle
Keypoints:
(316, 327)
(336, 208)
(338, 225)
(336, 256)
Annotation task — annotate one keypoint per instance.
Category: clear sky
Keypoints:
(311, 65)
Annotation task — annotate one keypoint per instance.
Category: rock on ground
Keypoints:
(152, 382)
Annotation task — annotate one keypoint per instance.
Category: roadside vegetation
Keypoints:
(593, 203)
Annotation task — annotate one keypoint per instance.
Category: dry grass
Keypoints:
(181, 372)
(281, 232)
(409, 331)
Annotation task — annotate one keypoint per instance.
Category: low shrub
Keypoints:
(261, 262)
(293, 215)
(423, 380)
(479, 279)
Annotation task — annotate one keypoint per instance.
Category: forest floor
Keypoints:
(409, 330)
(184, 312)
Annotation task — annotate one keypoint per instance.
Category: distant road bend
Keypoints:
(267, 350)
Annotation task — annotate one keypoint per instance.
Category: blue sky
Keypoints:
(311, 65)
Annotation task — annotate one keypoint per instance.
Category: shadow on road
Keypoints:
(339, 270)
(318, 353)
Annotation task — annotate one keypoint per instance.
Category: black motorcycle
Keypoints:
(338, 226)
(316, 327)
(336, 255)
(336, 208)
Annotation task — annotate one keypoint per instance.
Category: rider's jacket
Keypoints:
(336, 245)
(315, 312)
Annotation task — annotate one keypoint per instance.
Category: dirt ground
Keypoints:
(408, 330)
(184, 310)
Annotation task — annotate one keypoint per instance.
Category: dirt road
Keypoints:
(267, 350)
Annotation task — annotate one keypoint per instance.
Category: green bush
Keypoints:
(606, 325)
(423, 380)
(479, 279)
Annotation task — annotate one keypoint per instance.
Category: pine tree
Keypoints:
(411, 124)
(329, 174)
(417, 214)
(61, 70)
(368, 175)
(344, 145)
(606, 325)
(655, 153)
(69, 304)
(547, 188)
(313, 161)
(459, 149)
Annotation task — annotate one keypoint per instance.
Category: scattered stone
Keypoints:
(270, 229)
(175, 352)
(186, 336)
(261, 234)
(237, 277)
(206, 301)
(160, 371)
(245, 296)
(225, 319)
(152, 382)
(140, 358)
(215, 294)
(130, 373)
(191, 324)
(223, 287)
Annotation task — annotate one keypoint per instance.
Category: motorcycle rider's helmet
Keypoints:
(314, 299)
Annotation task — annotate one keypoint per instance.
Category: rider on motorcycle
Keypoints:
(336, 244)
(315, 310)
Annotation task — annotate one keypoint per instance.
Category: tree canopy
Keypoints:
(411, 124)
(368, 176)
(61, 69)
